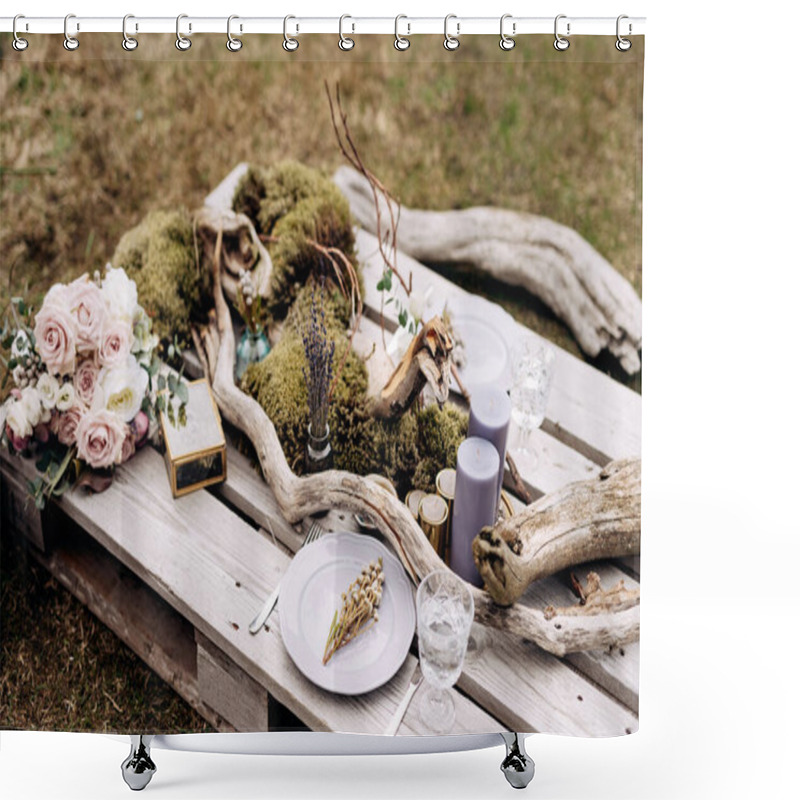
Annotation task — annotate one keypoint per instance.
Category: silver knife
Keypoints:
(258, 622)
(394, 724)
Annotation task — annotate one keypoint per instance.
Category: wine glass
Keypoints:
(530, 389)
(444, 616)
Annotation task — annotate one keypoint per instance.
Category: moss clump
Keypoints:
(277, 383)
(298, 205)
(335, 305)
(159, 254)
(441, 431)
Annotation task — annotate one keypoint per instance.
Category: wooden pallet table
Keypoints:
(180, 579)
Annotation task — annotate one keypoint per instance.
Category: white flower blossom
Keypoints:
(47, 387)
(65, 398)
(120, 294)
(121, 389)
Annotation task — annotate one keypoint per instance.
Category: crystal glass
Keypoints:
(532, 378)
(444, 617)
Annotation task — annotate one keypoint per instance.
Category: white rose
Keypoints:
(17, 420)
(47, 387)
(66, 397)
(122, 388)
(33, 404)
(120, 294)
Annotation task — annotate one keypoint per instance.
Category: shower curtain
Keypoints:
(343, 346)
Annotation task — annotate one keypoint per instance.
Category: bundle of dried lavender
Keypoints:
(318, 372)
(360, 610)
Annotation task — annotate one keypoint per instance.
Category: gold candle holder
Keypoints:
(433, 519)
(446, 489)
(413, 499)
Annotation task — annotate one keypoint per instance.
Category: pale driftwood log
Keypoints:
(597, 600)
(584, 521)
(427, 360)
(551, 261)
(300, 497)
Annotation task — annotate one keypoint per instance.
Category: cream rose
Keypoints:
(85, 380)
(88, 306)
(56, 337)
(123, 388)
(120, 294)
(115, 343)
(99, 437)
(67, 424)
(47, 386)
(32, 403)
(17, 420)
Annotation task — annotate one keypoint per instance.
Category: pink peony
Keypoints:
(66, 425)
(55, 335)
(89, 309)
(85, 381)
(141, 427)
(115, 343)
(100, 436)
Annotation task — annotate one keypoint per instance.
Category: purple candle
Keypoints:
(475, 503)
(489, 418)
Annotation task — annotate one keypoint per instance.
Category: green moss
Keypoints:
(298, 205)
(278, 385)
(441, 431)
(159, 254)
(335, 305)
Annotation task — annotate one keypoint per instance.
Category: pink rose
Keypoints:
(128, 445)
(100, 436)
(55, 336)
(88, 306)
(66, 426)
(85, 381)
(115, 343)
(141, 427)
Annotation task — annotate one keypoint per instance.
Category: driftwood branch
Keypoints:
(300, 497)
(596, 600)
(551, 261)
(427, 360)
(584, 521)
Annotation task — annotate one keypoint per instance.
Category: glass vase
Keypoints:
(252, 348)
(319, 455)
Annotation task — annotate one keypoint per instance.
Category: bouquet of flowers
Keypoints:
(87, 381)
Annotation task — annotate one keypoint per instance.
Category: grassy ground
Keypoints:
(90, 141)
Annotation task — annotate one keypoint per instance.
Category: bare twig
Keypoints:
(522, 490)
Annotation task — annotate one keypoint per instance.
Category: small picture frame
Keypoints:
(195, 453)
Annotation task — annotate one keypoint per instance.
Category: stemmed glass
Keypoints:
(532, 378)
(444, 616)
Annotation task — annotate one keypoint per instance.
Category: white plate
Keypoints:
(486, 353)
(311, 591)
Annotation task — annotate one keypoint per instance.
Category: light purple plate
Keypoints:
(311, 591)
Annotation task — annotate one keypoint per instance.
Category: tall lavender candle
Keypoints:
(475, 503)
(489, 418)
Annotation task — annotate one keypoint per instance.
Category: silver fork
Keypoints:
(314, 532)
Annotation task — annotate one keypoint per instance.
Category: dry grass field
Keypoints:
(91, 141)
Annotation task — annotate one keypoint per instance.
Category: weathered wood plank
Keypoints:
(230, 690)
(587, 410)
(136, 614)
(216, 570)
(16, 505)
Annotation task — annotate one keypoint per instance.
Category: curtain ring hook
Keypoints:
(345, 42)
(233, 44)
(18, 44)
(181, 42)
(129, 43)
(560, 43)
(290, 44)
(451, 42)
(70, 42)
(623, 45)
(507, 42)
(400, 42)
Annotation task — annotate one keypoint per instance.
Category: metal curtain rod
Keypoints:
(296, 26)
